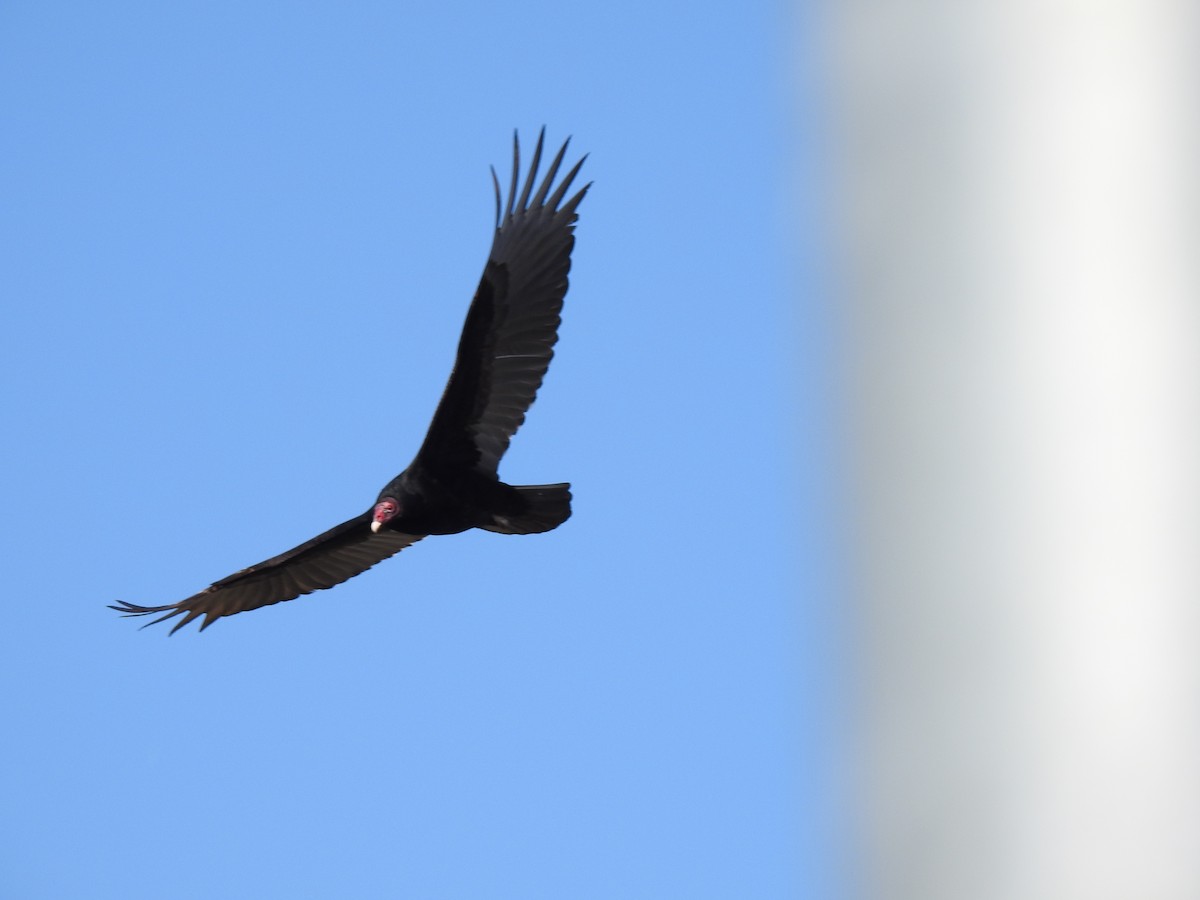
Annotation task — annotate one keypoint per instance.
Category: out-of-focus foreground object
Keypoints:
(1017, 186)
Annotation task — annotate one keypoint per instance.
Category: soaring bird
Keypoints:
(452, 484)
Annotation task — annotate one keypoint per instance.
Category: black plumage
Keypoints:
(452, 484)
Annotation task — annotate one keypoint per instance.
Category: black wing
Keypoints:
(328, 559)
(512, 325)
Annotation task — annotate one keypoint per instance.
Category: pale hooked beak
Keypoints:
(376, 525)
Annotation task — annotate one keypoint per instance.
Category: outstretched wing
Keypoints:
(511, 328)
(328, 559)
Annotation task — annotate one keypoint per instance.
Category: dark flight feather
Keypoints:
(512, 326)
(328, 559)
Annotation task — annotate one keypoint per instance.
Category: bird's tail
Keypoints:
(545, 507)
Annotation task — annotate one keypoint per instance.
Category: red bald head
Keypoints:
(384, 510)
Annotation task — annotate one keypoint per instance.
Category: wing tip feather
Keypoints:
(133, 610)
(496, 185)
(529, 199)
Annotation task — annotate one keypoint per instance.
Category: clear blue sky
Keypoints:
(237, 241)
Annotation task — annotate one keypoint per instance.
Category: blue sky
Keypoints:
(238, 244)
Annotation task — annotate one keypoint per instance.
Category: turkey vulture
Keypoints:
(452, 484)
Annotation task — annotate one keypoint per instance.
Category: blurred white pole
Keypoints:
(1019, 248)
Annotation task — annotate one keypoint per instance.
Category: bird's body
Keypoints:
(448, 504)
(452, 484)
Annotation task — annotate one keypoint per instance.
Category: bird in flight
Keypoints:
(452, 484)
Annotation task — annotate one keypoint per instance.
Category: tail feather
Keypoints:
(546, 506)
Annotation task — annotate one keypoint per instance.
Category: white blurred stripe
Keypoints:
(1020, 239)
